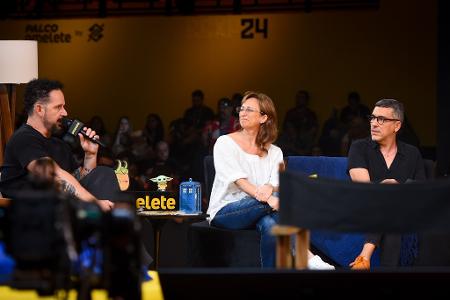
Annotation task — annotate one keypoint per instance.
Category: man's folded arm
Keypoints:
(359, 174)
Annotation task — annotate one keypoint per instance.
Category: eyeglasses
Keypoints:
(248, 110)
(380, 119)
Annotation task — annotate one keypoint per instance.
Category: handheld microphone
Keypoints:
(75, 126)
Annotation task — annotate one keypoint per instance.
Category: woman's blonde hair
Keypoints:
(268, 131)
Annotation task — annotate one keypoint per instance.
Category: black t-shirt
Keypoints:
(28, 144)
(407, 164)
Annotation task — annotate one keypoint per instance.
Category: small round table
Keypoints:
(158, 218)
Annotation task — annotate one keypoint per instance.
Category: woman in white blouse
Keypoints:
(244, 193)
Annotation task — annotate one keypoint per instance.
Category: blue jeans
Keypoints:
(249, 213)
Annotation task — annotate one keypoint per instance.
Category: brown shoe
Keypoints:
(360, 263)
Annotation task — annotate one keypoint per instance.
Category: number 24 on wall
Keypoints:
(253, 26)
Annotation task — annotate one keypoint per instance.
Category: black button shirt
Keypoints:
(407, 164)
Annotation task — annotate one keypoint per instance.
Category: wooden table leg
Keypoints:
(157, 229)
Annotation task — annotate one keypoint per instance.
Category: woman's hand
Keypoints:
(274, 202)
(263, 192)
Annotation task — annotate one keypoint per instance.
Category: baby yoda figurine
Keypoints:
(161, 181)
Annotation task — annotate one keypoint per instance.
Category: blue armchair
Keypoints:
(342, 248)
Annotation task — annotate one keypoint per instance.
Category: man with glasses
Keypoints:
(382, 158)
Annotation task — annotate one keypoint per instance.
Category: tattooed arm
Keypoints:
(90, 154)
(68, 183)
(90, 151)
(71, 185)
(81, 172)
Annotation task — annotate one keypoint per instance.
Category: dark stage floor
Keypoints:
(263, 284)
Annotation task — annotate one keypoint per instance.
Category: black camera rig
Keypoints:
(60, 243)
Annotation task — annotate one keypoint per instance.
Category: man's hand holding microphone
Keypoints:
(89, 142)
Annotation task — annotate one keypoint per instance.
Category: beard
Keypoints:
(57, 129)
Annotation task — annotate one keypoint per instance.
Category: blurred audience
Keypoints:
(198, 114)
(304, 121)
(224, 123)
(122, 137)
(153, 131)
(354, 109)
(163, 165)
(97, 124)
(331, 136)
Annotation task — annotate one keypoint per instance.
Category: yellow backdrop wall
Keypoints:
(137, 65)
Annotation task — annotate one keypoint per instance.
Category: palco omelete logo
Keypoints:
(46, 33)
(96, 32)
